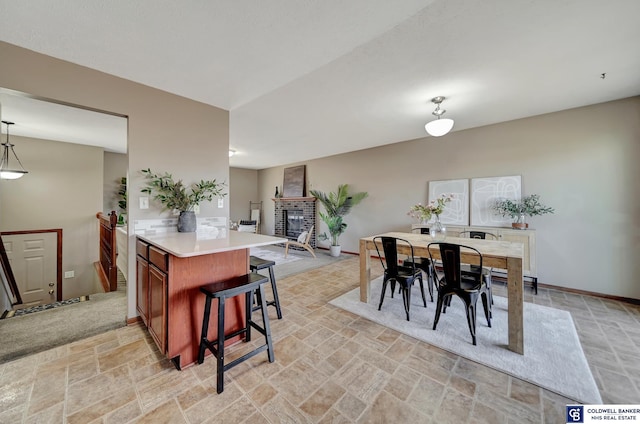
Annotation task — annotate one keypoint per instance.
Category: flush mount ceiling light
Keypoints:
(440, 126)
(231, 152)
(6, 171)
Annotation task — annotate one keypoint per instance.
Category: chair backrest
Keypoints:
(305, 237)
(450, 257)
(478, 235)
(255, 215)
(308, 239)
(247, 226)
(390, 249)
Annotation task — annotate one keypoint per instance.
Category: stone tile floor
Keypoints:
(331, 367)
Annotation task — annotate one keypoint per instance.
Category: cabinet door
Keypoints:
(454, 230)
(158, 307)
(526, 238)
(142, 289)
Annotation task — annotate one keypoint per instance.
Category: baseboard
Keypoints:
(134, 320)
(104, 281)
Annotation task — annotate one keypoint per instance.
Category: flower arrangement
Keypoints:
(435, 207)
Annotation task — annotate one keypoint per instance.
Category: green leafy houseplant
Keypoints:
(336, 204)
(175, 195)
(518, 209)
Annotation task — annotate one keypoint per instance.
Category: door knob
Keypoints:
(51, 291)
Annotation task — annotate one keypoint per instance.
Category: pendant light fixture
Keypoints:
(6, 170)
(440, 126)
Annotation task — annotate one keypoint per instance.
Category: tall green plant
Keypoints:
(337, 204)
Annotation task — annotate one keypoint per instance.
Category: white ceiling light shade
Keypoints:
(6, 171)
(231, 152)
(440, 126)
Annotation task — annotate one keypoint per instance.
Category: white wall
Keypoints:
(63, 189)
(243, 188)
(583, 162)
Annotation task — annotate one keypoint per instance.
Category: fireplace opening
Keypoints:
(293, 221)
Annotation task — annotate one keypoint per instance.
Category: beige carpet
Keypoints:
(553, 357)
(39, 331)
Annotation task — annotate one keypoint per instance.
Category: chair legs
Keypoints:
(406, 293)
(424, 299)
(430, 279)
(486, 304)
(471, 320)
(384, 289)
(470, 301)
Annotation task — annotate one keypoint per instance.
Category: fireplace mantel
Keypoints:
(293, 199)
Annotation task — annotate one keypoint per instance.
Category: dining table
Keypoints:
(497, 254)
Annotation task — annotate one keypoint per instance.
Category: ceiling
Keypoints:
(308, 79)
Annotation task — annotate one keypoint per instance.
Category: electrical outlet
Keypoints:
(69, 274)
(221, 203)
(144, 202)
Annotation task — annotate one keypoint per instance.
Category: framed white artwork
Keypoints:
(457, 211)
(485, 192)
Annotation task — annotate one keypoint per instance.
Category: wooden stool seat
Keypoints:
(247, 284)
(256, 264)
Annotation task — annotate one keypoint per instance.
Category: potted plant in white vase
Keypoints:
(519, 209)
(175, 196)
(337, 205)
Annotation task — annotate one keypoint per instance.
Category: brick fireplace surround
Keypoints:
(305, 204)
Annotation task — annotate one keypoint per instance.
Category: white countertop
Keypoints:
(184, 245)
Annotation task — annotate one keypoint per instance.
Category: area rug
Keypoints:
(553, 357)
(40, 308)
(297, 261)
(274, 255)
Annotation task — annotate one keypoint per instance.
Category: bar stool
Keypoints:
(247, 284)
(256, 264)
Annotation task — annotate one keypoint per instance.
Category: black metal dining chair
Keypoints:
(425, 265)
(466, 286)
(471, 269)
(394, 273)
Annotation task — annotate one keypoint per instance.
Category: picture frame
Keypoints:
(294, 184)
(457, 211)
(485, 192)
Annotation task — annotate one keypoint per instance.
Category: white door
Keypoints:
(34, 264)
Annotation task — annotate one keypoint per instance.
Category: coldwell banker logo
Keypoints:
(574, 414)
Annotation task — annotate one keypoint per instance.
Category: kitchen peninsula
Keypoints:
(171, 267)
